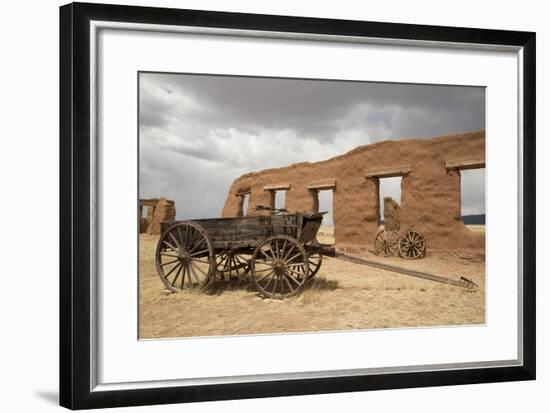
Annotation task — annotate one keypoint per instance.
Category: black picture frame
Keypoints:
(75, 197)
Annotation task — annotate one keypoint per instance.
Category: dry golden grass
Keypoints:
(342, 296)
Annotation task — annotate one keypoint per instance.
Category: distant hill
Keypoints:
(474, 219)
(467, 219)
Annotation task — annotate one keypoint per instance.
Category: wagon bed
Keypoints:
(249, 231)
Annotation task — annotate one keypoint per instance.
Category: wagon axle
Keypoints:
(279, 268)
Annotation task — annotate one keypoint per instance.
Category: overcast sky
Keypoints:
(198, 133)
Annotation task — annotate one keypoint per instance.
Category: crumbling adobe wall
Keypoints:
(158, 210)
(430, 191)
(392, 219)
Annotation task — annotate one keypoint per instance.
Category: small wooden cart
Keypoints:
(279, 252)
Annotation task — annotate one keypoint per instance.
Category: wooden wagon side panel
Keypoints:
(245, 232)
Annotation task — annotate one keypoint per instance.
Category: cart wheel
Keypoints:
(232, 264)
(412, 245)
(385, 243)
(185, 257)
(315, 260)
(279, 267)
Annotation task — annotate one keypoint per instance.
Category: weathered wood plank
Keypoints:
(466, 164)
(388, 172)
(277, 187)
(244, 231)
(329, 184)
(462, 282)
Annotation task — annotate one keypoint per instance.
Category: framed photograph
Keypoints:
(257, 206)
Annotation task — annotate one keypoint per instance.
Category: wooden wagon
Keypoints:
(278, 252)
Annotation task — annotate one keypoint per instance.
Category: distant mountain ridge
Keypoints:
(478, 219)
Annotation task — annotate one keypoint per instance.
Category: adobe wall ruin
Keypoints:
(157, 210)
(430, 189)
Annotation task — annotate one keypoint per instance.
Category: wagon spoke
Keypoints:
(183, 277)
(189, 279)
(170, 245)
(283, 248)
(293, 279)
(277, 253)
(272, 253)
(288, 282)
(196, 242)
(300, 274)
(169, 262)
(175, 240)
(193, 235)
(225, 261)
(194, 274)
(275, 285)
(198, 268)
(172, 270)
(265, 276)
(268, 282)
(231, 265)
(265, 264)
(180, 236)
(296, 264)
(293, 257)
(177, 275)
(165, 254)
(269, 258)
(199, 252)
(199, 260)
(288, 253)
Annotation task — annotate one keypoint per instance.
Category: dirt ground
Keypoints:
(342, 296)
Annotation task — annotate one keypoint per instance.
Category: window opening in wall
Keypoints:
(280, 198)
(472, 198)
(389, 187)
(245, 204)
(325, 202)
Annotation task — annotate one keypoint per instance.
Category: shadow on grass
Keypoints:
(321, 284)
(220, 286)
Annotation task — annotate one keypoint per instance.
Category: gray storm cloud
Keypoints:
(199, 132)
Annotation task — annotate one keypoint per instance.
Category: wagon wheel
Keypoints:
(315, 260)
(412, 245)
(385, 243)
(231, 264)
(185, 257)
(279, 267)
